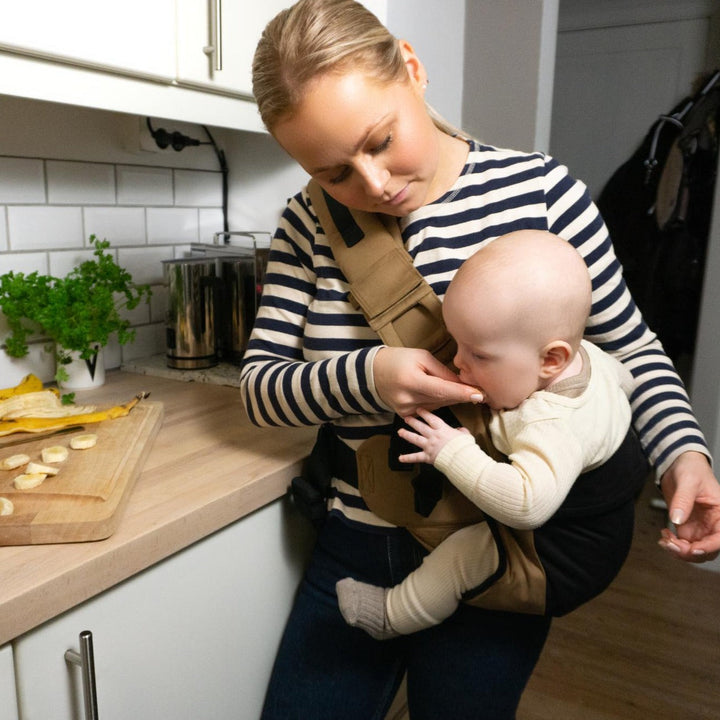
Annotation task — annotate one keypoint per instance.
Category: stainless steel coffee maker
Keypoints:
(190, 320)
(213, 298)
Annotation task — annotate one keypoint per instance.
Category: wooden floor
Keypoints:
(647, 649)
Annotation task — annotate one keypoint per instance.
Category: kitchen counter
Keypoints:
(207, 468)
(223, 373)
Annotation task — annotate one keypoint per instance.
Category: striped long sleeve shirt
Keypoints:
(309, 357)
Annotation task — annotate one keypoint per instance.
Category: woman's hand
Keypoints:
(693, 498)
(407, 379)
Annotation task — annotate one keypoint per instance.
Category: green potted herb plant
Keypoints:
(77, 313)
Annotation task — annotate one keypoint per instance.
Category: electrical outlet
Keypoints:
(138, 138)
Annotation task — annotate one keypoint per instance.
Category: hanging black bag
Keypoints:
(658, 207)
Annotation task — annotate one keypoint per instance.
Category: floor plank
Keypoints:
(649, 647)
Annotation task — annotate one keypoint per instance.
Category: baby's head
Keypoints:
(518, 309)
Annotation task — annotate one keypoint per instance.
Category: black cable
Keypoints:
(178, 142)
(224, 170)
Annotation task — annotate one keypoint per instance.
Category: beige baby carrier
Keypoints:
(405, 312)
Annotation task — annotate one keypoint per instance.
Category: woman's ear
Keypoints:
(416, 70)
(555, 357)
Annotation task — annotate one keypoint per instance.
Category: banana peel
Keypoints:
(41, 404)
(30, 383)
(41, 424)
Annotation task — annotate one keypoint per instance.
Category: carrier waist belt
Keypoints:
(341, 459)
(595, 491)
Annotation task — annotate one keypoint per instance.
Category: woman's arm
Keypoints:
(662, 415)
(312, 358)
(308, 360)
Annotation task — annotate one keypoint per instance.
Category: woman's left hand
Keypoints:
(693, 498)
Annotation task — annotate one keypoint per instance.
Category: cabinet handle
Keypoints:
(216, 33)
(86, 660)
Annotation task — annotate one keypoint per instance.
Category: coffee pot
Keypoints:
(213, 297)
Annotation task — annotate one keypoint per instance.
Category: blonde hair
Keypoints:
(319, 36)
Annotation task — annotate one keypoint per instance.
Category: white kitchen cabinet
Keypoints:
(135, 36)
(217, 40)
(8, 701)
(117, 56)
(192, 637)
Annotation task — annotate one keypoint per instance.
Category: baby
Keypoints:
(517, 310)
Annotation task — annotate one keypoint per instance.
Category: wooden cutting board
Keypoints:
(84, 501)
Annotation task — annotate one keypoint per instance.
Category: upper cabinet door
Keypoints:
(217, 40)
(132, 36)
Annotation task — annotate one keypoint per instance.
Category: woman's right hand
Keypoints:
(407, 379)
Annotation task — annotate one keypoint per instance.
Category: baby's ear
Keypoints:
(556, 356)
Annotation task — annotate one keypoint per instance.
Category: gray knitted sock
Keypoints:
(363, 606)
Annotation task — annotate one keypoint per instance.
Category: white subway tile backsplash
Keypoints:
(144, 186)
(198, 188)
(181, 251)
(78, 183)
(112, 355)
(22, 180)
(139, 315)
(211, 222)
(158, 304)
(42, 227)
(61, 263)
(3, 230)
(172, 225)
(119, 225)
(24, 263)
(144, 264)
(148, 214)
(149, 340)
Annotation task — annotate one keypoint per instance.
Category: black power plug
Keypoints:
(176, 140)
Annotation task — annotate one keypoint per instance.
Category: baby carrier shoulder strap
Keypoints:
(398, 303)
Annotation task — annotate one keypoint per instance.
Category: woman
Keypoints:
(346, 100)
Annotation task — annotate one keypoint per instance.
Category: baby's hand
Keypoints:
(431, 435)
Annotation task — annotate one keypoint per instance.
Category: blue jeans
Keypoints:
(474, 665)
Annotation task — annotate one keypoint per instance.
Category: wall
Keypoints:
(509, 71)
(618, 67)
(436, 32)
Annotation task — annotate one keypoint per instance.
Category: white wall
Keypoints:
(437, 33)
(509, 71)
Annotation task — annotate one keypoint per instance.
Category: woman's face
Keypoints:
(371, 145)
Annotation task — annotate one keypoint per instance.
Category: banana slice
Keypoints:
(34, 467)
(14, 461)
(6, 506)
(54, 454)
(83, 442)
(28, 480)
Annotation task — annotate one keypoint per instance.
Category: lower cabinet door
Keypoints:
(8, 700)
(192, 637)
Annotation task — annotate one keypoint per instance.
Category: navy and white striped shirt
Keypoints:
(309, 358)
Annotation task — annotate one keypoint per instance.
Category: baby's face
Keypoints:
(499, 357)
(506, 371)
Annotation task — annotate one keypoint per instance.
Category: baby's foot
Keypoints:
(363, 606)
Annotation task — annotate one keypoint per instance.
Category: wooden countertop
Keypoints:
(207, 468)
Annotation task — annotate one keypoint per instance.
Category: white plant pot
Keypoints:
(84, 374)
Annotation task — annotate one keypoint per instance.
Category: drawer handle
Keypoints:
(86, 660)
